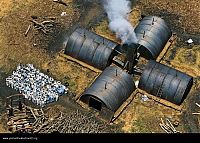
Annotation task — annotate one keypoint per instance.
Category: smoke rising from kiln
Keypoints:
(118, 12)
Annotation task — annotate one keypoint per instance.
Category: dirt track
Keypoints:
(42, 51)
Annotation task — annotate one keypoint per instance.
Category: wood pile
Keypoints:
(167, 126)
(23, 118)
(20, 116)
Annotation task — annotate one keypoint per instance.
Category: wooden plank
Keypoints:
(82, 104)
(80, 63)
(106, 114)
(162, 101)
(123, 106)
(19, 117)
(166, 48)
(33, 114)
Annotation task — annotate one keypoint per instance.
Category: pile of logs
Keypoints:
(167, 126)
(20, 117)
(21, 120)
(35, 121)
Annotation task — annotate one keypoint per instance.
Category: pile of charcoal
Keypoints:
(74, 122)
(35, 86)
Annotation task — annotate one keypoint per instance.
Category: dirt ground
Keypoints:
(43, 51)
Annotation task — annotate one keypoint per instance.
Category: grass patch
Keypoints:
(139, 126)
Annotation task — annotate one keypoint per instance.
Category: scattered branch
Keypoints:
(37, 24)
(60, 2)
(28, 29)
(44, 26)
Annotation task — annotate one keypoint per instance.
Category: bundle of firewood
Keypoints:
(197, 113)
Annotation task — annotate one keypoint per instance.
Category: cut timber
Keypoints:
(47, 22)
(123, 106)
(20, 114)
(25, 128)
(83, 105)
(196, 113)
(42, 111)
(80, 63)
(21, 122)
(166, 48)
(197, 104)
(36, 112)
(28, 29)
(33, 114)
(20, 117)
(162, 101)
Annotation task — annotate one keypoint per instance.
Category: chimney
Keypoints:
(131, 56)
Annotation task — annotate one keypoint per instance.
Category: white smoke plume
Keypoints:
(118, 12)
